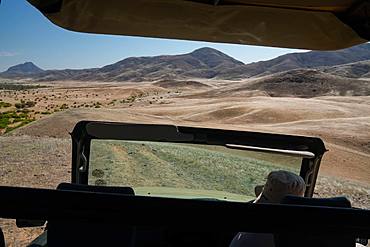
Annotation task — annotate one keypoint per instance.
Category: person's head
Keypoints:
(278, 185)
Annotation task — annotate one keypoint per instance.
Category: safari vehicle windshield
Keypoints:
(184, 170)
(184, 162)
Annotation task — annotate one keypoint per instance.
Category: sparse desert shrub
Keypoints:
(4, 104)
(30, 103)
(64, 107)
(4, 121)
(24, 104)
(100, 182)
(16, 120)
(18, 87)
(11, 117)
(111, 103)
(24, 111)
(23, 122)
(130, 99)
(18, 105)
(97, 173)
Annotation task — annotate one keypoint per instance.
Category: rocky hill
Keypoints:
(309, 83)
(24, 69)
(304, 60)
(201, 63)
(351, 70)
(205, 63)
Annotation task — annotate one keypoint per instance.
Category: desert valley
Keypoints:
(324, 94)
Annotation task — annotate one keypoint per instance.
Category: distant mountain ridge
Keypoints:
(206, 63)
(350, 70)
(304, 60)
(201, 63)
(308, 83)
(27, 68)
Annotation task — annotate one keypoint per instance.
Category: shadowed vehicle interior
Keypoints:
(138, 184)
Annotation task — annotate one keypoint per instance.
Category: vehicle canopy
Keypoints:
(310, 24)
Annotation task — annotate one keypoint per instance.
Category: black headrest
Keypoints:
(340, 202)
(307, 239)
(94, 188)
(69, 232)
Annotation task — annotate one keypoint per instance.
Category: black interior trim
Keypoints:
(180, 213)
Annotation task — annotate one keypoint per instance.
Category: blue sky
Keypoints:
(26, 35)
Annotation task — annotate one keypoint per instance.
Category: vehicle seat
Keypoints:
(82, 233)
(322, 240)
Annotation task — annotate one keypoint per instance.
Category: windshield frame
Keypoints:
(85, 131)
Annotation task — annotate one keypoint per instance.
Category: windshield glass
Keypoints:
(184, 170)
